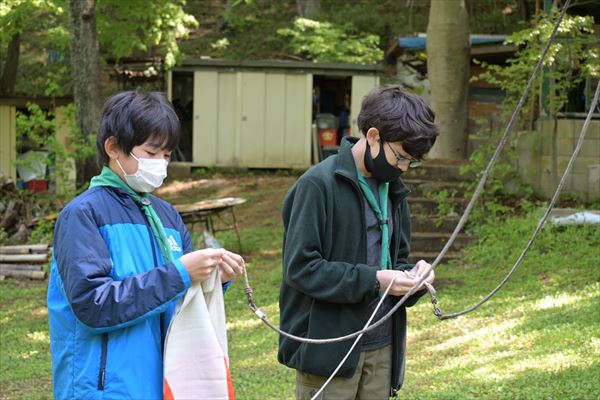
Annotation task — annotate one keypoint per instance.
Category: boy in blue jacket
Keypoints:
(122, 258)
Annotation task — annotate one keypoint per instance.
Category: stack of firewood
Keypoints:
(15, 211)
(25, 261)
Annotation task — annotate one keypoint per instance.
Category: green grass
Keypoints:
(539, 338)
(24, 341)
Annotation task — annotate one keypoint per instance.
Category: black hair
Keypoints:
(400, 116)
(133, 117)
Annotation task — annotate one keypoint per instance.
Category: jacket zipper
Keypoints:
(155, 259)
(102, 374)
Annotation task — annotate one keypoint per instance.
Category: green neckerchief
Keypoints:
(381, 211)
(109, 178)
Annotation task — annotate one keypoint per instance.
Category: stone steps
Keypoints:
(431, 256)
(429, 188)
(434, 223)
(430, 230)
(429, 206)
(438, 170)
(435, 241)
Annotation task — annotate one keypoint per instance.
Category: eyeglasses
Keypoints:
(403, 161)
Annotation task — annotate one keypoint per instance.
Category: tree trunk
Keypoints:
(448, 61)
(307, 8)
(524, 9)
(9, 75)
(85, 69)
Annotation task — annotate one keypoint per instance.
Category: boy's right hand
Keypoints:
(201, 263)
(402, 283)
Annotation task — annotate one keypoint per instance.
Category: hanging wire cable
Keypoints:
(542, 221)
(459, 226)
(355, 341)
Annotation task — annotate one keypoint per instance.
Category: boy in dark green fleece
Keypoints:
(347, 236)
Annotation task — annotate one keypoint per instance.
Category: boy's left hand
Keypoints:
(231, 265)
(420, 268)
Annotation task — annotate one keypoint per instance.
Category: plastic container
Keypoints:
(37, 185)
(327, 126)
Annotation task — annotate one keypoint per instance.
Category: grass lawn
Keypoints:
(539, 338)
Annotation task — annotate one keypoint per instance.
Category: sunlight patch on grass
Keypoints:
(595, 345)
(551, 363)
(244, 324)
(473, 360)
(39, 336)
(559, 300)
(28, 354)
(486, 336)
(252, 321)
(40, 312)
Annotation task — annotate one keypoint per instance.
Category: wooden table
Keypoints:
(206, 211)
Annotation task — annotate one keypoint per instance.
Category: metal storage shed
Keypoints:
(257, 114)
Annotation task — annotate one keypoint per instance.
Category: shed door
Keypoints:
(252, 119)
(361, 86)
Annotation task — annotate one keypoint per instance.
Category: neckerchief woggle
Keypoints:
(109, 178)
(381, 210)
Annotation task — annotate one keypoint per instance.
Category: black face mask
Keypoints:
(379, 167)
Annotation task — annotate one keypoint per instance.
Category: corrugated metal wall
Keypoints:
(8, 141)
(252, 119)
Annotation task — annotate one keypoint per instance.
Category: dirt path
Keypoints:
(264, 194)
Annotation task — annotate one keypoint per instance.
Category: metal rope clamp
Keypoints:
(434, 301)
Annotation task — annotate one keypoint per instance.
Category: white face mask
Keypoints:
(149, 176)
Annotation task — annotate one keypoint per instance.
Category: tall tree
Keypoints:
(448, 60)
(85, 70)
(9, 72)
(14, 19)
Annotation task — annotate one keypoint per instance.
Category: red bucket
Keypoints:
(37, 185)
(328, 137)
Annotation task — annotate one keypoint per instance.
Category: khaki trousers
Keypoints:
(371, 380)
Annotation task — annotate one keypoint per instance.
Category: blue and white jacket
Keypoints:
(111, 296)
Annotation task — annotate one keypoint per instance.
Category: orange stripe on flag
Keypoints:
(168, 394)
(229, 381)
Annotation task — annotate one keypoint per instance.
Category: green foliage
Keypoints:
(15, 15)
(572, 57)
(37, 129)
(446, 204)
(124, 27)
(3, 236)
(326, 42)
(252, 27)
(43, 232)
(44, 43)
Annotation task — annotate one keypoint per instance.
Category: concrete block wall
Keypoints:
(540, 153)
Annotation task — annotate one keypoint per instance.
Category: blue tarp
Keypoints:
(419, 42)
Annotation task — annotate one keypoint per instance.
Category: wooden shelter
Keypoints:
(261, 114)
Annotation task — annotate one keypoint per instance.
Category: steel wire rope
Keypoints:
(542, 221)
(502, 142)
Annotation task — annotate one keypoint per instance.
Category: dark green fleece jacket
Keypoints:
(327, 285)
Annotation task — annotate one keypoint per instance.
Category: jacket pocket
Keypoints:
(102, 371)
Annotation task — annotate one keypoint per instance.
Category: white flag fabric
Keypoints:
(196, 364)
